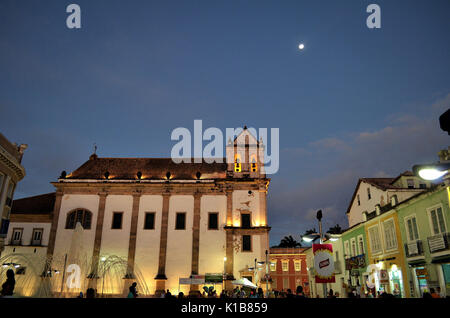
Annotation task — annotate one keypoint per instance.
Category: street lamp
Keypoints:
(432, 171)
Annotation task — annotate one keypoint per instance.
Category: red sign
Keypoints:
(323, 263)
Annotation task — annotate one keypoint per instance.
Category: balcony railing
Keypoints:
(439, 242)
(36, 242)
(414, 249)
(15, 242)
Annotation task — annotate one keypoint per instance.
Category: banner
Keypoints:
(323, 263)
(383, 276)
(356, 262)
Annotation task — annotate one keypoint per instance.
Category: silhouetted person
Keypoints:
(180, 295)
(8, 286)
(133, 291)
(90, 293)
(299, 292)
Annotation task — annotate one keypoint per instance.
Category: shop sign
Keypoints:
(213, 278)
(422, 273)
(383, 276)
(355, 262)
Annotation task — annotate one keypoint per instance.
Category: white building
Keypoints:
(372, 192)
(167, 220)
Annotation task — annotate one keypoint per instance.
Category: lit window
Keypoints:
(285, 266)
(298, 265)
(273, 265)
(237, 163)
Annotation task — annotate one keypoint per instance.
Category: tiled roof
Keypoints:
(381, 183)
(39, 204)
(150, 168)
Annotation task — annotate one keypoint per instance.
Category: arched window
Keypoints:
(237, 163)
(254, 165)
(79, 215)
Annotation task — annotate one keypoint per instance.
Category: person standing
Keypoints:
(9, 284)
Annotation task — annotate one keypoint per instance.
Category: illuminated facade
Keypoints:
(169, 221)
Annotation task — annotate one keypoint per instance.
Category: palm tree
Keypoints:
(335, 229)
(289, 241)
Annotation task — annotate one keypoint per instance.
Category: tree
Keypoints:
(289, 241)
(335, 229)
(310, 231)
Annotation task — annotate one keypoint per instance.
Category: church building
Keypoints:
(168, 220)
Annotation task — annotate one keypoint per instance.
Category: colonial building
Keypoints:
(11, 172)
(372, 192)
(288, 269)
(169, 221)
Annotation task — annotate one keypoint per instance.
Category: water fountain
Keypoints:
(69, 274)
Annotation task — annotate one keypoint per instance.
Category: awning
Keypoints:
(441, 259)
(244, 282)
(417, 262)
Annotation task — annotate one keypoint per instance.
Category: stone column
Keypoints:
(263, 206)
(53, 231)
(196, 237)
(93, 275)
(129, 276)
(161, 276)
(229, 240)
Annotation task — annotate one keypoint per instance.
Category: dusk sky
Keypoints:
(356, 102)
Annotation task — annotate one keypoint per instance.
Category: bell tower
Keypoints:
(245, 156)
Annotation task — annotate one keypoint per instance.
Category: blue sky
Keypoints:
(355, 103)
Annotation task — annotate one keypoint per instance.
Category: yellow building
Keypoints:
(385, 253)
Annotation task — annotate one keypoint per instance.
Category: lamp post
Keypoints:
(319, 218)
(267, 273)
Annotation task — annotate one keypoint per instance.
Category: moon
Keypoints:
(301, 46)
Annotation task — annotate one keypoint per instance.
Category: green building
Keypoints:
(355, 255)
(424, 225)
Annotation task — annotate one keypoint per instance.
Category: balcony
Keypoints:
(15, 242)
(414, 249)
(36, 243)
(438, 243)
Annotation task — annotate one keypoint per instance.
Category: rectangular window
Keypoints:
(374, 238)
(354, 253)
(16, 238)
(297, 265)
(149, 222)
(360, 245)
(285, 265)
(422, 186)
(410, 183)
(347, 249)
(411, 229)
(437, 221)
(117, 221)
(36, 237)
(359, 201)
(180, 223)
(246, 243)
(273, 265)
(285, 283)
(245, 220)
(213, 221)
(389, 234)
(369, 196)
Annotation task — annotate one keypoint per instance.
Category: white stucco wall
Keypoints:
(147, 241)
(212, 248)
(116, 241)
(179, 242)
(64, 237)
